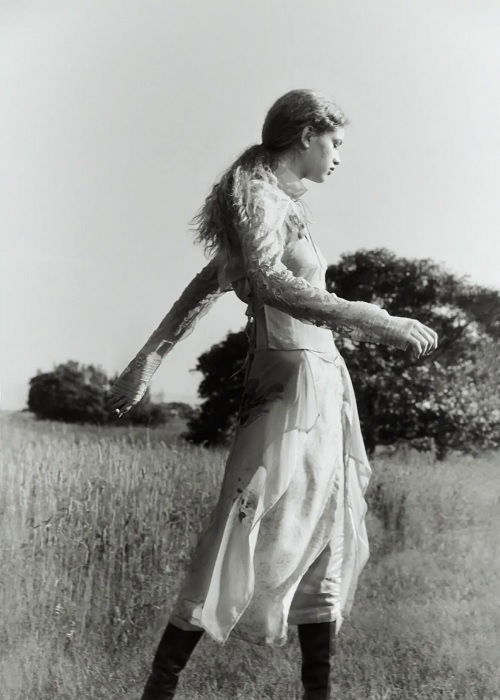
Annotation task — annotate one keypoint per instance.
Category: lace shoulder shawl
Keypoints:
(262, 239)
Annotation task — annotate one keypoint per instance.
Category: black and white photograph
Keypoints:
(250, 369)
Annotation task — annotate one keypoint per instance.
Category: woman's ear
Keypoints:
(306, 135)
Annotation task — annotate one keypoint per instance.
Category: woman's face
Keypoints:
(320, 154)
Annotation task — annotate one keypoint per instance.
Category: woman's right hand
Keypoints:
(422, 340)
(123, 396)
(131, 385)
(119, 404)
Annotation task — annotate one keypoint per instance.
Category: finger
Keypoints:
(434, 343)
(428, 339)
(424, 331)
(114, 401)
(416, 345)
(433, 335)
(118, 404)
(426, 344)
(120, 412)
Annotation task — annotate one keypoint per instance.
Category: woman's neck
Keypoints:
(290, 161)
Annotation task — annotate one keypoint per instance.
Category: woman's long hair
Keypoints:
(217, 220)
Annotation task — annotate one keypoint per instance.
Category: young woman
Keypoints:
(286, 541)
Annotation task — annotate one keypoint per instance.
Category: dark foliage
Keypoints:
(404, 398)
(430, 401)
(223, 369)
(77, 393)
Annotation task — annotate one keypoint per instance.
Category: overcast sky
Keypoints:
(117, 116)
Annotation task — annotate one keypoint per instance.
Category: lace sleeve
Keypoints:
(263, 240)
(196, 299)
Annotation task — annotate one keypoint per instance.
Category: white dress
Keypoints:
(286, 541)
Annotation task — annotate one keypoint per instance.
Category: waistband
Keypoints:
(330, 356)
(250, 331)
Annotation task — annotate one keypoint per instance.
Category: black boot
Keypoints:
(317, 644)
(174, 650)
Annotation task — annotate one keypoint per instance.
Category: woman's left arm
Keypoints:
(196, 299)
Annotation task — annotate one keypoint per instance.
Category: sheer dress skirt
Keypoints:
(286, 540)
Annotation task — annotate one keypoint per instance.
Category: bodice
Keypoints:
(276, 329)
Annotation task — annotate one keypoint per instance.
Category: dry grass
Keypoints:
(97, 526)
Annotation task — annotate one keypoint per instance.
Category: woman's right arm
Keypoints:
(196, 299)
(262, 242)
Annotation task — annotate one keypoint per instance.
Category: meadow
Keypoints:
(97, 527)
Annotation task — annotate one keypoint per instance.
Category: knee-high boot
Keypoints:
(317, 645)
(172, 654)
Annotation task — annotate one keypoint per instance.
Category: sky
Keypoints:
(117, 117)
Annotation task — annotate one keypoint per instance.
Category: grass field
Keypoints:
(96, 529)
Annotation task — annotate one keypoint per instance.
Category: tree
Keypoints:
(394, 390)
(463, 410)
(397, 395)
(71, 393)
(222, 367)
(77, 393)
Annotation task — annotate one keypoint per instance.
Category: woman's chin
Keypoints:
(318, 178)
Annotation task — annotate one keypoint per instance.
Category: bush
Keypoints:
(77, 393)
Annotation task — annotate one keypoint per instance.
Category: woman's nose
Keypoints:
(336, 158)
